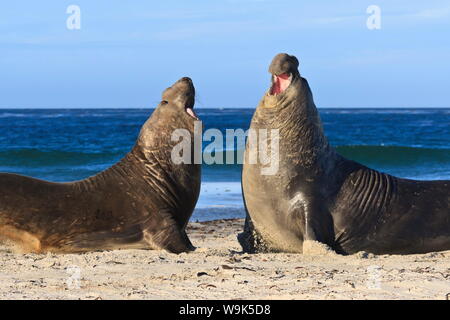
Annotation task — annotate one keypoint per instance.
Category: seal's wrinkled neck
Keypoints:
(158, 132)
(289, 106)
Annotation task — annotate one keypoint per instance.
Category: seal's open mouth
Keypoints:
(190, 111)
(280, 83)
(189, 106)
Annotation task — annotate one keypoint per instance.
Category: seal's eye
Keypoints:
(164, 102)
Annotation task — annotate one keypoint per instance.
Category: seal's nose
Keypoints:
(187, 79)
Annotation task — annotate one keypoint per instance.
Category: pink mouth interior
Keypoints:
(192, 113)
(280, 83)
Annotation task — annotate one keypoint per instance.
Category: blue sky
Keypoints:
(127, 52)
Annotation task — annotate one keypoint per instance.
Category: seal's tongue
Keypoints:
(192, 113)
(280, 83)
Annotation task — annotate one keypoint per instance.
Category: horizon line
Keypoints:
(197, 108)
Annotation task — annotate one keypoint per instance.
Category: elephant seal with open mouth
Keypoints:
(318, 195)
(143, 201)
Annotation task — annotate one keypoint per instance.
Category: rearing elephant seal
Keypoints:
(318, 195)
(143, 201)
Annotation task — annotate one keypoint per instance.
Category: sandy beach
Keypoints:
(219, 270)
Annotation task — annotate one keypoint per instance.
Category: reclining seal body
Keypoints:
(319, 195)
(143, 201)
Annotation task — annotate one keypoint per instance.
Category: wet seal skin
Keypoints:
(318, 196)
(143, 201)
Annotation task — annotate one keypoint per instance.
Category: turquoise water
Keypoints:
(65, 145)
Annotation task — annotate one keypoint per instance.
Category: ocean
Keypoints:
(72, 144)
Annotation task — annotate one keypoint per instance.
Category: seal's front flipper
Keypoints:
(245, 238)
(312, 222)
(170, 239)
(250, 240)
(167, 236)
(188, 241)
(319, 233)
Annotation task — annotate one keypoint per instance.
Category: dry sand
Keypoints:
(219, 270)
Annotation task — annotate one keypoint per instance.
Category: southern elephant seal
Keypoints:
(319, 195)
(143, 201)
